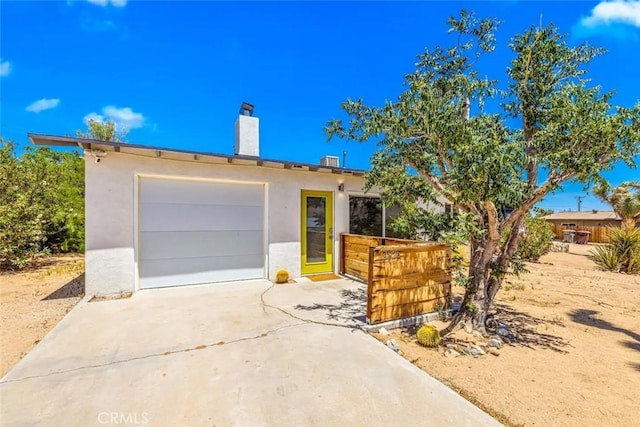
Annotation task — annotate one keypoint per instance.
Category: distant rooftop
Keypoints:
(585, 215)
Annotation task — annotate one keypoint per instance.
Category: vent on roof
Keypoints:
(595, 211)
(331, 161)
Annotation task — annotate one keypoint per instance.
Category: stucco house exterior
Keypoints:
(159, 217)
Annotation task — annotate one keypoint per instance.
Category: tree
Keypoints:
(41, 204)
(430, 145)
(624, 199)
(103, 131)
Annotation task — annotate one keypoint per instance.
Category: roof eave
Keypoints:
(87, 144)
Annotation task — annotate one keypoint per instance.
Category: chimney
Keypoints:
(331, 161)
(247, 132)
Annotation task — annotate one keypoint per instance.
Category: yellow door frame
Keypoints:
(325, 266)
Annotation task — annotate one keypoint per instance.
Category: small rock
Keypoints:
(496, 337)
(383, 331)
(393, 345)
(472, 351)
(451, 353)
(494, 343)
(505, 334)
(480, 350)
(468, 327)
(493, 350)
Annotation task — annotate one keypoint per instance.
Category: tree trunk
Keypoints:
(488, 265)
(480, 289)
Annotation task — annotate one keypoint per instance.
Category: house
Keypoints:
(594, 218)
(596, 222)
(159, 217)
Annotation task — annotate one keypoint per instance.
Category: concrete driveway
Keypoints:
(244, 353)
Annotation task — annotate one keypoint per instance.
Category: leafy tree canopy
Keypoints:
(41, 204)
(431, 146)
(103, 131)
(624, 199)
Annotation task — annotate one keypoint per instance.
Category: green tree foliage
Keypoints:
(103, 131)
(431, 145)
(536, 240)
(41, 204)
(624, 199)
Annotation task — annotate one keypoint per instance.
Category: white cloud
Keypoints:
(103, 3)
(42, 104)
(614, 12)
(123, 117)
(5, 68)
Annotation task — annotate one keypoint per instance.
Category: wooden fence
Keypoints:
(599, 234)
(404, 277)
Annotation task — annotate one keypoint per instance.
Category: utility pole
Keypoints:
(580, 201)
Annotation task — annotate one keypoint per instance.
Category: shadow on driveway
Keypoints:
(353, 306)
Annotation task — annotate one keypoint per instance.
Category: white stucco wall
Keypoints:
(111, 192)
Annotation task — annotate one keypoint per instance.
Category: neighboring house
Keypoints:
(595, 218)
(597, 223)
(158, 217)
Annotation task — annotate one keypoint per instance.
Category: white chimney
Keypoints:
(247, 132)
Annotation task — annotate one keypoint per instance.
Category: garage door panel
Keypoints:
(188, 191)
(192, 244)
(180, 266)
(163, 273)
(194, 232)
(194, 217)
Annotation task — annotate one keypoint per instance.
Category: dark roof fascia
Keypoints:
(66, 141)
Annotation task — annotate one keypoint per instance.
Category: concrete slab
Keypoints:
(336, 302)
(215, 355)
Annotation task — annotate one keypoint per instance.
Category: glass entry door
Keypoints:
(317, 231)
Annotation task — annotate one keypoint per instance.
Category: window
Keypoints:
(365, 216)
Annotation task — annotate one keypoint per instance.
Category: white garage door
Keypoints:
(199, 232)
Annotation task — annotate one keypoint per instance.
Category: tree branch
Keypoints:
(553, 180)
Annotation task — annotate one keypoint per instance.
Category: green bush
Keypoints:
(428, 336)
(622, 253)
(41, 204)
(537, 239)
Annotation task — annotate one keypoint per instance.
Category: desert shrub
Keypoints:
(428, 336)
(537, 239)
(621, 254)
(41, 204)
(282, 276)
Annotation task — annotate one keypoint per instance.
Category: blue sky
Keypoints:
(175, 73)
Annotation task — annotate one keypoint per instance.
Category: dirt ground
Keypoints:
(32, 302)
(576, 361)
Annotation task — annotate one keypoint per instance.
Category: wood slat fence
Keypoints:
(404, 277)
(599, 234)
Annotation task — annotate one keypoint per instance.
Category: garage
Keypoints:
(192, 232)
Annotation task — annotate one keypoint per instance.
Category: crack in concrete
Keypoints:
(148, 356)
(202, 346)
(293, 316)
